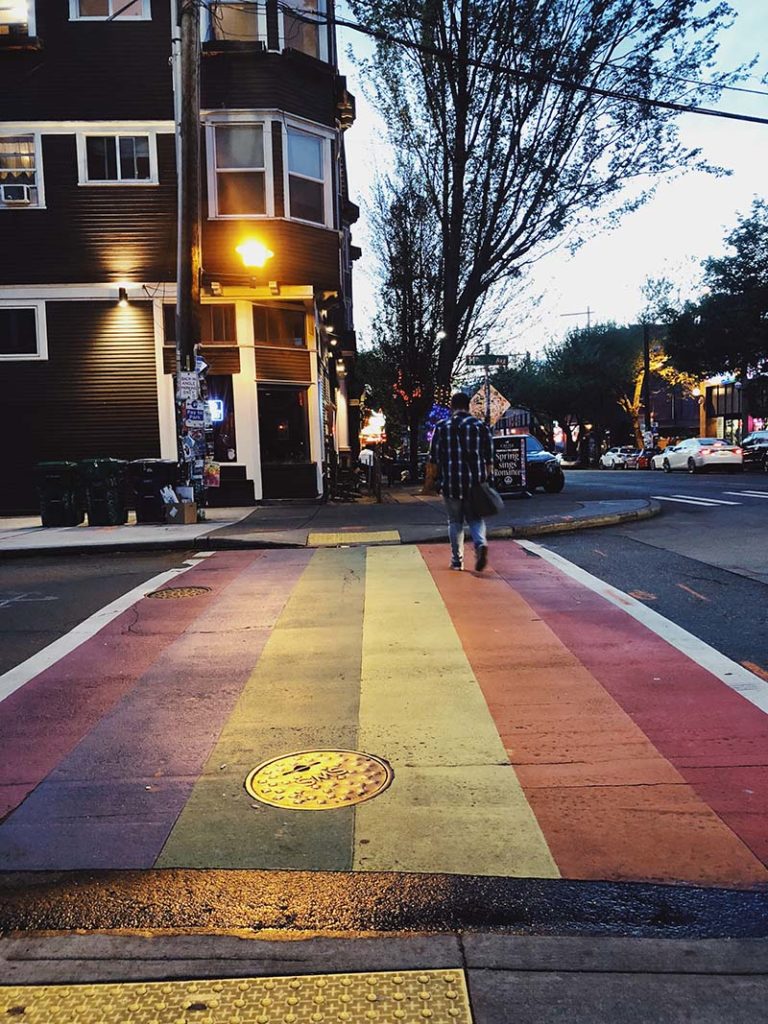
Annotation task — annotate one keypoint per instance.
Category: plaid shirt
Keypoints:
(462, 447)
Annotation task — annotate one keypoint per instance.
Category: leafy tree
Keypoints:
(727, 328)
(518, 119)
(405, 356)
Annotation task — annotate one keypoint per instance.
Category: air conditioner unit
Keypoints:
(18, 195)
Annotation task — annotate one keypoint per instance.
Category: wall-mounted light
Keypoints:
(122, 297)
(253, 253)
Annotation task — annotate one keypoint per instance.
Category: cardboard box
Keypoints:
(181, 513)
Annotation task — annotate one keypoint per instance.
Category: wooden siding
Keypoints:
(92, 232)
(281, 364)
(96, 394)
(278, 167)
(303, 254)
(220, 358)
(256, 79)
(90, 70)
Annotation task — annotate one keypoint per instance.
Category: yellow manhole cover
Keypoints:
(408, 997)
(318, 780)
(170, 593)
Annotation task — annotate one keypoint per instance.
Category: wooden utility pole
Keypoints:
(188, 259)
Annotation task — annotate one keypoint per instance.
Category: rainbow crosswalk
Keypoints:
(534, 729)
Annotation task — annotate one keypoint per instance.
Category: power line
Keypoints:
(431, 51)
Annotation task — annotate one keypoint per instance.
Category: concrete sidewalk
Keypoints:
(405, 516)
(492, 978)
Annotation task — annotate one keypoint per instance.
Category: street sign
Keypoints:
(487, 359)
(509, 464)
(187, 385)
(499, 404)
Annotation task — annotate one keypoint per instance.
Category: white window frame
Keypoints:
(327, 136)
(75, 15)
(38, 305)
(6, 130)
(322, 27)
(239, 119)
(261, 16)
(31, 25)
(129, 133)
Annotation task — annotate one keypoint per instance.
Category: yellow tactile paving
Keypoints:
(405, 997)
(322, 540)
(456, 804)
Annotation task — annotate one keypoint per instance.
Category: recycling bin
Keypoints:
(105, 482)
(61, 494)
(148, 478)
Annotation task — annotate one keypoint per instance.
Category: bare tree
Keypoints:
(529, 120)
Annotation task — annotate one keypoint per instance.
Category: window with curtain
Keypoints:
(18, 171)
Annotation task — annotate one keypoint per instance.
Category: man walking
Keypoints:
(461, 454)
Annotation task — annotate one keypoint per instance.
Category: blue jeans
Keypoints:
(459, 510)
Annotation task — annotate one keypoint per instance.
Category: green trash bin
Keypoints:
(106, 491)
(61, 493)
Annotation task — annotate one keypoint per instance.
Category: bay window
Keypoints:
(306, 176)
(239, 170)
(305, 27)
(236, 21)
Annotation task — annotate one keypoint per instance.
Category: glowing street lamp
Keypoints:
(253, 253)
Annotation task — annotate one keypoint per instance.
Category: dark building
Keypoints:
(88, 215)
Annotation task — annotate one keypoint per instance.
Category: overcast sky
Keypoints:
(684, 223)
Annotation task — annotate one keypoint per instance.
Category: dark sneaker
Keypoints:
(457, 566)
(481, 557)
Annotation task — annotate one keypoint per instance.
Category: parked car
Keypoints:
(657, 460)
(616, 458)
(695, 454)
(544, 469)
(636, 459)
(755, 450)
(644, 456)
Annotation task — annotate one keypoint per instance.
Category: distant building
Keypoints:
(88, 207)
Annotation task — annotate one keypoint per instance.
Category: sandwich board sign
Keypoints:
(509, 464)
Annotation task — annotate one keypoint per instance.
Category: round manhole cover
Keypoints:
(172, 593)
(318, 780)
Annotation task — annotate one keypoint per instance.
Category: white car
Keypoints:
(699, 453)
(616, 458)
(657, 460)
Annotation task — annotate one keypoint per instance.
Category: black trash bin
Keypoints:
(61, 493)
(106, 491)
(148, 477)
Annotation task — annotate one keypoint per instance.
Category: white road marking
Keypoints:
(711, 501)
(749, 494)
(701, 502)
(16, 677)
(735, 676)
(14, 597)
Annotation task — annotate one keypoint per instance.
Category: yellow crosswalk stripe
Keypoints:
(455, 804)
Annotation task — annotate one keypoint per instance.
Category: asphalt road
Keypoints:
(43, 598)
(703, 563)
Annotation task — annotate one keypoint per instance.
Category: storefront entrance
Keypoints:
(286, 468)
